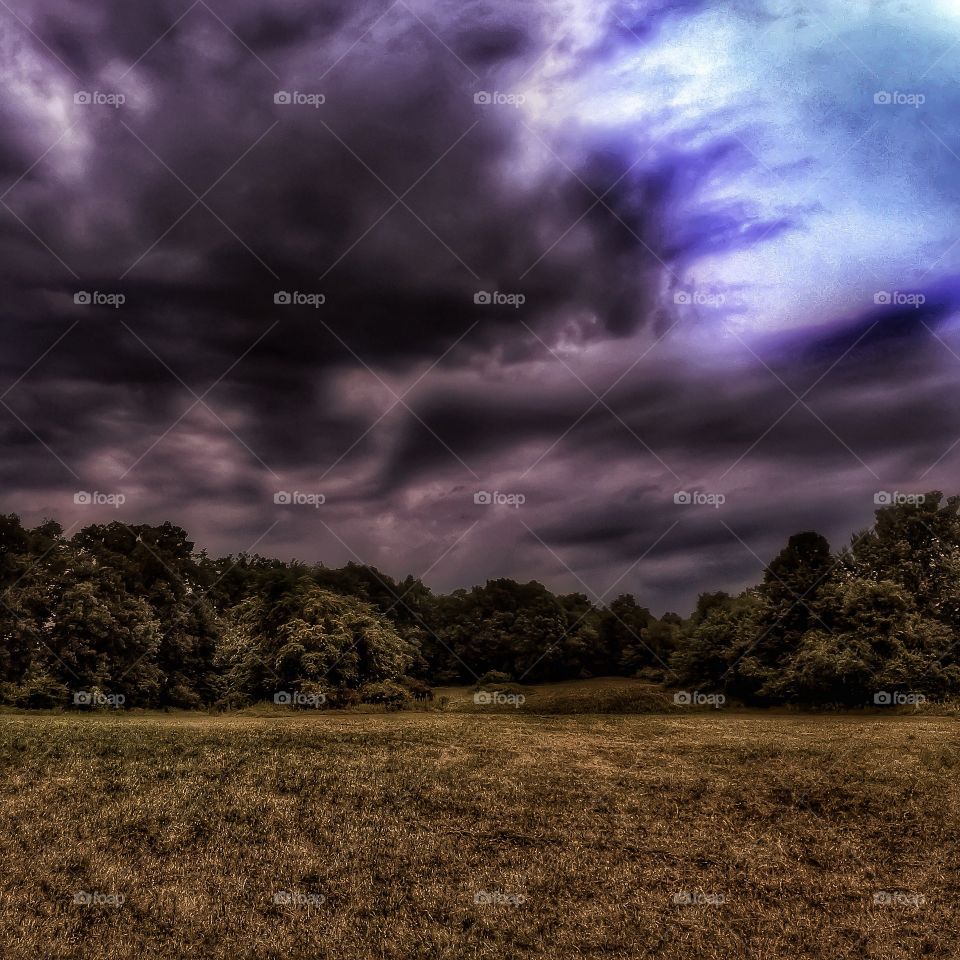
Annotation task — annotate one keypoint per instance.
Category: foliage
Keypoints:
(881, 618)
(137, 613)
(291, 636)
(388, 693)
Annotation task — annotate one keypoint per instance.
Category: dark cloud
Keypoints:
(399, 199)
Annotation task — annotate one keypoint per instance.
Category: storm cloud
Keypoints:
(597, 258)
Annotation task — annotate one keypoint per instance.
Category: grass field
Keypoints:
(458, 835)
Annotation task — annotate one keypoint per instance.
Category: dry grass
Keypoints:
(599, 695)
(395, 822)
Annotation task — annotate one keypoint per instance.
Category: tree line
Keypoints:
(135, 615)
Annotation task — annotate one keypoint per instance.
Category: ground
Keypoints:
(469, 835)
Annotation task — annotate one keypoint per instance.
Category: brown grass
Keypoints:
(394, 823)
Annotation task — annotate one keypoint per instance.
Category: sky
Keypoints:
(611, 295)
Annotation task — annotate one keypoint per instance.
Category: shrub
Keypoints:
(418, 689)
(343, 697)
(184, 697)
(39, 692)
(389, 693)
(233, 701)
(494, 677)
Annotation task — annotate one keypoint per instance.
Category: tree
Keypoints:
(18, 600)
(32, 563)
(520, 629)
(877, 642)
(101, 636)
(300, 637)
(158, 565)
(135, 611)
(916, 545)
(792, 585)
(714, 653)
(627, 646)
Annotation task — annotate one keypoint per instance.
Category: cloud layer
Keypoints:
(595, 255)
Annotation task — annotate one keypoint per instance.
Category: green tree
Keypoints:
(915, 545)
(158, 565)
(628, 646)
(714, 652)
(878, 643)
(101, 636)
(304, 637)
(789, 598)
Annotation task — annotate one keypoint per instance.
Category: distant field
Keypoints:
(452, 835)
(600, 695)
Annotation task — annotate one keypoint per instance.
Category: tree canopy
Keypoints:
(137, 614)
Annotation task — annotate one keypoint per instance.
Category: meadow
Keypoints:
(482, 834)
